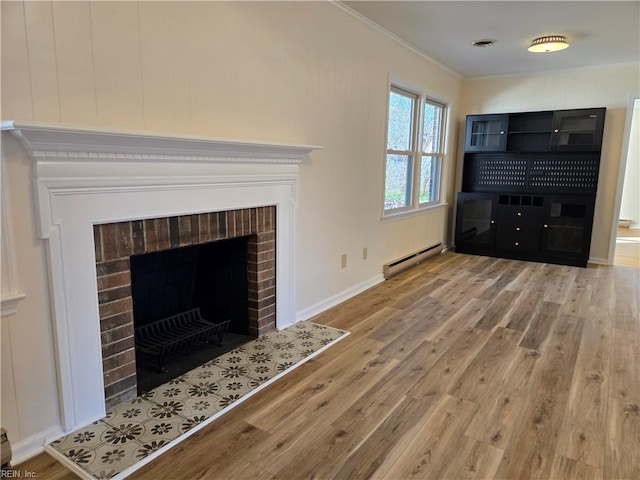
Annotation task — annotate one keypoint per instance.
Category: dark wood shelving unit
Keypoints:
(529, 185)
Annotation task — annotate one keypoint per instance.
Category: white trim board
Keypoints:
(338, 298)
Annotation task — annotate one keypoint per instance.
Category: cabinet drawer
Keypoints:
(520, 216)
(518, 239)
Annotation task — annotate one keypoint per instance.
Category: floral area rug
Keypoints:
(134, 433)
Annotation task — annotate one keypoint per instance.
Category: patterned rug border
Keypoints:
(82, 473)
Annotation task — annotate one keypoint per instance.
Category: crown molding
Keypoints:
(70, 143)
(380, 29)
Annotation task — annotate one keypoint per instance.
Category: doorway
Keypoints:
(627, 229)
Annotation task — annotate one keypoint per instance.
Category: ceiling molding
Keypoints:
(606, 66)
(374, 26)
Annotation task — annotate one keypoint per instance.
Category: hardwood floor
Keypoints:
(627, 248)
(463, 367)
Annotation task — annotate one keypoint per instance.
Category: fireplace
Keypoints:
(118, 245)
(125, 189)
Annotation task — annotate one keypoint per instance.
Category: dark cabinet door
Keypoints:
(475, 223)
(567, 225)
(486, 133)
(578, 130)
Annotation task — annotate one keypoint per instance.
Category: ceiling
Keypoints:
(599, 32)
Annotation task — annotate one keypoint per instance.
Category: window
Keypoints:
(414, 151)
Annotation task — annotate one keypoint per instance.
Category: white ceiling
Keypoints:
(599, 32)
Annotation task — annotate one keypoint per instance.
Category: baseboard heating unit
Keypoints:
(411, 260)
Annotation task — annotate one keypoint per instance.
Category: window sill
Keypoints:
(392, 217)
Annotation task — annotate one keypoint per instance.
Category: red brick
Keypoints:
(264, 237)
(266, 275)
(269, 219)
(254, 220)
(124, 239)
(122, 397)
(123, 371)
(205, 228)
(184, 226)
(117, 347)
(113, 294)
(120, 385)
(116, 334)
(150, 235)
(122, 358)
(109, 242)
(115, 280)
(164, 235)
(137, 233)
(267, 283)
(116, 321)
(266, 310)
(266, 302)
(115, 308)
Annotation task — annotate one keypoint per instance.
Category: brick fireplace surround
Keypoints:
(115, 242)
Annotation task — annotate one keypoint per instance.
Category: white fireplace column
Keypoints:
(85, 177)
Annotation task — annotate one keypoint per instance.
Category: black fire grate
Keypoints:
(177, 333)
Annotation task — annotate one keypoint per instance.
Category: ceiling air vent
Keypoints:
(483, 43)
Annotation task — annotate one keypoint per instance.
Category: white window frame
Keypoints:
(416, 152)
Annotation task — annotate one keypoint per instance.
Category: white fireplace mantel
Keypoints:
(75, 143)
(85, 177)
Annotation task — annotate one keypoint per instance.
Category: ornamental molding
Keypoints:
(66, 143)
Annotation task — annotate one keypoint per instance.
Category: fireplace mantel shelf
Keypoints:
(58, 142)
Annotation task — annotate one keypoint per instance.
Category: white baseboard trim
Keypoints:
(31, 446)
(598, 261)
(320, 307)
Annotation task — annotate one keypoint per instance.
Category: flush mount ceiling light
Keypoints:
(551, 43)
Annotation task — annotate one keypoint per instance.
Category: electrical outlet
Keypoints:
(364, 253)
(344, 260)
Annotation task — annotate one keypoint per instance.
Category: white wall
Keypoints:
(290, 72)
(630, 203)
(605, 86)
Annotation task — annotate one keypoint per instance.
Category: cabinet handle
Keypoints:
(517, 244)
(493, 221)
(519, 214)
(546, 226)
(502, 132)
(555, 131)
(517, 229)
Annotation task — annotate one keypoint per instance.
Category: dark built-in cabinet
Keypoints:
(529, 185)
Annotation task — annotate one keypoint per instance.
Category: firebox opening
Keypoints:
(211, 277)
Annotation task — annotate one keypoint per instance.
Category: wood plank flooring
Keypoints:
(627, 248)
(463, 367)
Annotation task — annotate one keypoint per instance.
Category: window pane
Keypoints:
(397, 188)
(432, 125)
(429, 179)
(400, 122)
